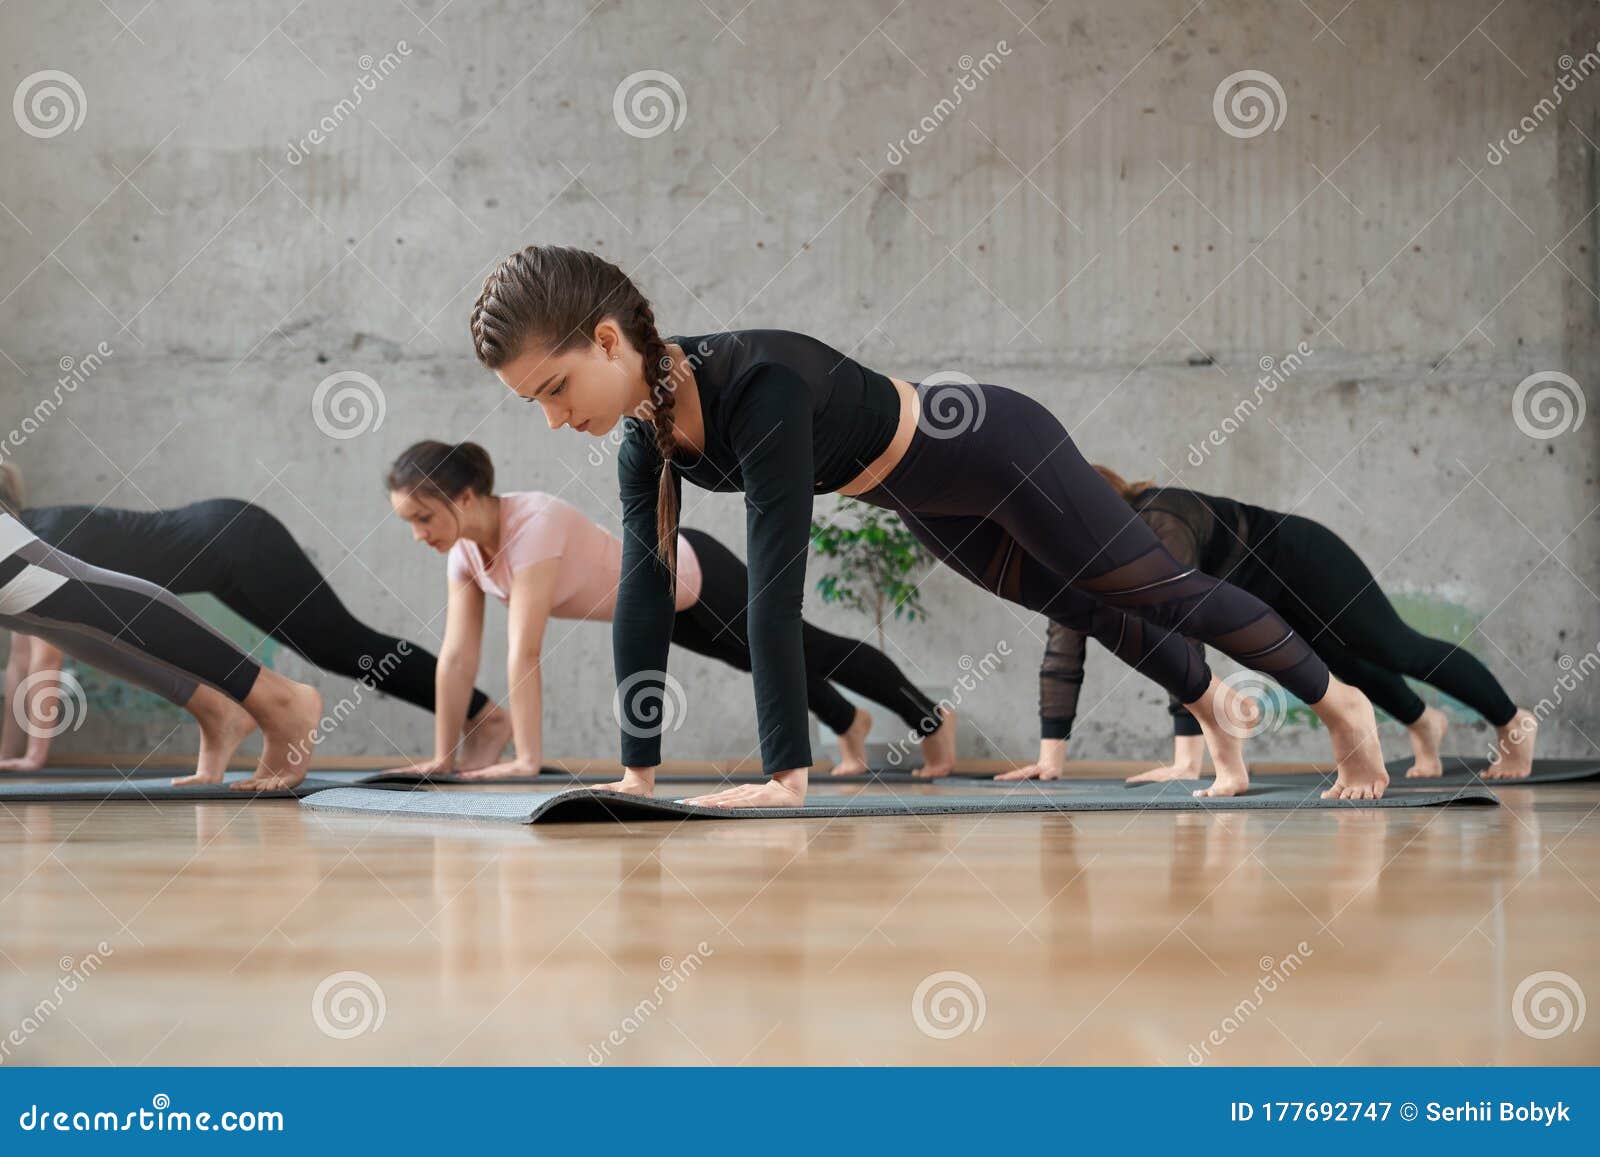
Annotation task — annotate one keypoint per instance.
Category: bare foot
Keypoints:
(223, 726)
(1353, 729)
(1168, 773)
(1227, 718)
(485, 738)
(632, 783)
(1426, 735)
(939, 749)
(289, 715)
(784, 789)
(1512, 757)
(853, 746)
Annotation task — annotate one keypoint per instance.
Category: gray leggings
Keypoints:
(122, 625)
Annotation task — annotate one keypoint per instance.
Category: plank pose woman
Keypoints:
(544, 558)
(984, 476)
(1313, 578)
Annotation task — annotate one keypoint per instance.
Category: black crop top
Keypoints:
(786, 417)
(1217, 535)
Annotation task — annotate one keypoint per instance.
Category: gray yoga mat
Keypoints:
(146, 790)
(1467, 769)
(555, 777)
(1459, 771)
(586, 805)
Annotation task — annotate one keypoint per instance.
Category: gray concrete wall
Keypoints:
(1079, 226)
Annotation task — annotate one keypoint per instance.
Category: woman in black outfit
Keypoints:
(985, 477)
(244, 556)
(1310, 576)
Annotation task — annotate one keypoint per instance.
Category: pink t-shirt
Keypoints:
(535, 526)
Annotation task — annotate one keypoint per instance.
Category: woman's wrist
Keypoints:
(1052, 752)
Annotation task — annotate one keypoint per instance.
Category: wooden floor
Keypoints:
(1353, 937)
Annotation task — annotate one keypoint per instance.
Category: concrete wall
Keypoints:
(1080, 226)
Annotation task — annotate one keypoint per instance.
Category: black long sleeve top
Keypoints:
(786, 417)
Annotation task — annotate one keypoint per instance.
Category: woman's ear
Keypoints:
(608, 336)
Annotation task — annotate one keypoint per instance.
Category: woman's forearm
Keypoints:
(43, 688)
(452, 696)
(12, 738)
(526, 700)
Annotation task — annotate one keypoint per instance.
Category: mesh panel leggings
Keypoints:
(716, 626)
(256, 568)
(1333, 600)
(995, 488)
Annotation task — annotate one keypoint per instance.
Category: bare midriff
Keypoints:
(883, 465)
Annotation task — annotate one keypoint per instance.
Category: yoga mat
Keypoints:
(556, 777)
(144, 790)
(1459, 771)
(585, 805)
(54, 771)
(1466, 769)
(147, 772)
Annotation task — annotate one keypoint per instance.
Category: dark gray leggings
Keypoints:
(993, 485)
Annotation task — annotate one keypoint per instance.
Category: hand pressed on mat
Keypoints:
(510, 769)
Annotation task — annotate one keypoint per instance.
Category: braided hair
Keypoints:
(556, 295)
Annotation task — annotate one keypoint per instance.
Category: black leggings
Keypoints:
(125, 626)
(717, 626)
(255, 567)
(1323, 589)
(993, 485)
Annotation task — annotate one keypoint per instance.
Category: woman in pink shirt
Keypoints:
(544, 558)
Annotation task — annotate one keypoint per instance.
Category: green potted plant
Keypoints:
(873, 561)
